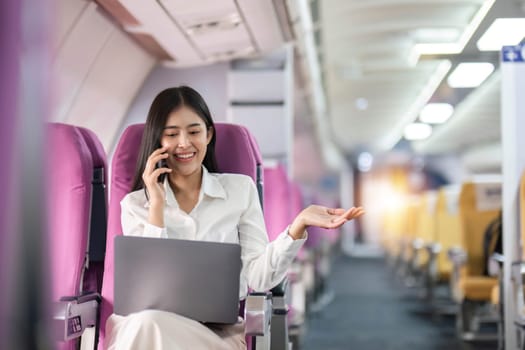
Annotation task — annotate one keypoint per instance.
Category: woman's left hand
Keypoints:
(316, 215)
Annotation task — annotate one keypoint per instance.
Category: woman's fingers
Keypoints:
(153, 159)
(316, 215)
(335, 211)
(159, 171)
(353, 213)
(344, 216)
(348, 214)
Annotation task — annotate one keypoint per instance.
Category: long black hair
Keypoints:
(164, 103)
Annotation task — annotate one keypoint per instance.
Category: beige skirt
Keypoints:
(156, 330)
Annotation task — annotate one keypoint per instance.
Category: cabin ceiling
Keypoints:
(376, 85)
(375, 72)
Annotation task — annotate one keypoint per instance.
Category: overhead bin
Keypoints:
(185, 33)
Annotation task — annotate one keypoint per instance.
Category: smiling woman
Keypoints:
(190, 204)
(174, 116)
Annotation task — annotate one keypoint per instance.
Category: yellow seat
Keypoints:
(494, 295)
(448, 227)
(425, 224)
(479, 204)
(479, 288)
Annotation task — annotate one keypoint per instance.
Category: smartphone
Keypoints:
(162, 164)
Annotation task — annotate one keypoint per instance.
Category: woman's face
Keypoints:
(186, 138)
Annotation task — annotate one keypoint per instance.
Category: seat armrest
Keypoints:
(280, 289)
(433, 249)
(418, 244)
(457, 255)
(280, 297)
(497, 257)
(257, 314)
(73, 314)
(495, 264)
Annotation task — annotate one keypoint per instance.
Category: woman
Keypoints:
(194, 202)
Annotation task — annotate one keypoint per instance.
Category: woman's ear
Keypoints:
(209, 134)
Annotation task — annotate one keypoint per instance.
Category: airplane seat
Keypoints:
(297, 204)
(234, 157)
(279, 208)
(479, 204)
(276, 200)
(122, 171)
(448, 228)
(301, 275)
(404, 258)
(71, 169)
(234, 153)
(306, 262)
(447, 236)
(98, 223)
(394, 224)
(423, 246)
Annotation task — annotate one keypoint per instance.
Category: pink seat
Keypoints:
(232, 157)
(98, 220)
(277, 201)
(282, 202)
(122, 171)
(74, 156)
(232, 154)
(296, 206)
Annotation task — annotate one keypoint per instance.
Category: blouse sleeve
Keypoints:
(134, 225)
(264, 263)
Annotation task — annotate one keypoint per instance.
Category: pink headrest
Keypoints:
(236, 150)
(69, 202)
(277, 201)
(95, 147)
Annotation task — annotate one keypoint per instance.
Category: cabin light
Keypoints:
(430, 41)
(228, 22)
(417, 131)
(470, 74)
(361, 103)
(502, 32)
(436, 113)
(455, 47)
(365, 161)
(435, 35)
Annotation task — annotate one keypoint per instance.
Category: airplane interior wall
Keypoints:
(90, 49)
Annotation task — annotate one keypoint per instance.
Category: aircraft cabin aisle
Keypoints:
(319, 104)
(371, 310)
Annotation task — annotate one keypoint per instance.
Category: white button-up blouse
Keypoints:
(228, 210)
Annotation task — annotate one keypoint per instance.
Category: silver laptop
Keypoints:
(195, 279)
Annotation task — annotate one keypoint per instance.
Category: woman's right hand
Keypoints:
(156, 193)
